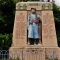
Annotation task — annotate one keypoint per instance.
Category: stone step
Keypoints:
(34, 46)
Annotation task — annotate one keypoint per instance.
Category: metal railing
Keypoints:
(4, 55)
(29, 54)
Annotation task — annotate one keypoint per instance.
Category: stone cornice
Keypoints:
(37, 5)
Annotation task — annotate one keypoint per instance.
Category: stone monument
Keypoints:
(48, 33)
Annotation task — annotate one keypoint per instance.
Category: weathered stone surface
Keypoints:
(19, 42)
(20, 25)
(20, 29)
(48, 29)
(37, 5)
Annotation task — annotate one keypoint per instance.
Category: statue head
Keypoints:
(33, 10)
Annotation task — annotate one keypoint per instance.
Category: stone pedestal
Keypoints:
(35, 53)
(19, 43)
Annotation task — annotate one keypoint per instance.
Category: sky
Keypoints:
(57, 2)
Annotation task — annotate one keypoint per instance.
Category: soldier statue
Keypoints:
(33, 27)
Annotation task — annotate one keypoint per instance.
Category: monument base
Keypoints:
(49, 49)
(34, 53)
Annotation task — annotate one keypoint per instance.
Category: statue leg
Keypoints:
(30, 35)
(31, 40)
(36, 41)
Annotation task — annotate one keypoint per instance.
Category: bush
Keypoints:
(5, 41)
(14, 59)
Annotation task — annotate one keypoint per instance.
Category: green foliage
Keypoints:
(5, 41)
(56, 11)
(14, 59)
(7, 12)
(56, 14)
(47, 58)
(53, 59)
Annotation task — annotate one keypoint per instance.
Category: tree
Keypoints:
(56, 11)
(7, 13)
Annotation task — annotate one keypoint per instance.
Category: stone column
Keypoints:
(20, 29)
(48, 29)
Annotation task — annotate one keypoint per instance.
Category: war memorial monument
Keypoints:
(23, 43)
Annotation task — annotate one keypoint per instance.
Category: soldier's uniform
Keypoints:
(33, 29)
